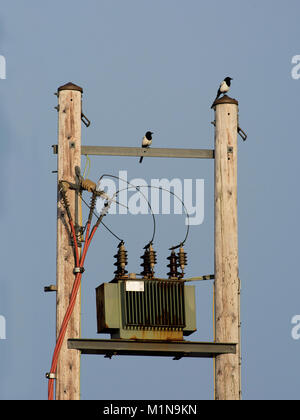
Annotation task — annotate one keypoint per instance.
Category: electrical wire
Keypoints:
(214, 338)
(153, 217)
(183, 205)
(79, 263)
(67, 314)
(138, 187)
(105, 226)
(88, 160)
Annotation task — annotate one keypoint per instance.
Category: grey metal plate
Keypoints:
(150, 152)
(175, 349)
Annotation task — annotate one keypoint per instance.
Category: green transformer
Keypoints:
(146, 309)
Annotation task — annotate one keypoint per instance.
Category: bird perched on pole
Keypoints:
(224, 87)
(146, 142)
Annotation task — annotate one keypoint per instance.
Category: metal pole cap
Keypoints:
(225, 100)
(70, 86)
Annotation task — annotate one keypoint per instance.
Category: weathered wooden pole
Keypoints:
(69, 156)
(227, 322)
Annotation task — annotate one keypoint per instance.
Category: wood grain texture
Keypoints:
(227, 367)
(69, 156)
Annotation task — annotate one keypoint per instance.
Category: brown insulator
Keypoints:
(63, 188)
(149, 261)
(92, 206)
(152, 257)
(88, 185)
(121, 262)
(182, 260)
(173, 273)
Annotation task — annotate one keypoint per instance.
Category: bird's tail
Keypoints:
(218, 95)
(214, 101)
(141, 159)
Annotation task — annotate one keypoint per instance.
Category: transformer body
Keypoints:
(146, 309)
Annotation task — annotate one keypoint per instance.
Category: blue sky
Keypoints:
(151, 64)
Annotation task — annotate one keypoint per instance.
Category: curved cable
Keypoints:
(106, 227)
(138, 189)
(153, 217)
(185, 209)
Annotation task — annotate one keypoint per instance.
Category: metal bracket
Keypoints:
(200, 278)
(85, 120)
(50, 375)
(78, 270)
(139, 151)
(51, 288)
(242, 133)
(176, 349)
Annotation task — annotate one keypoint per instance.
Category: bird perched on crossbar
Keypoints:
(146, 142)
(224, 87)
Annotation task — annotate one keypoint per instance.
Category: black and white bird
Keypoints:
(146, 142)
(224, 87)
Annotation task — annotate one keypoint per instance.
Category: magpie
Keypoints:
(146, 142)
(224, 87)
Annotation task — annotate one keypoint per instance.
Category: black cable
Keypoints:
(138, 187)
(96, 215)
(185, 209)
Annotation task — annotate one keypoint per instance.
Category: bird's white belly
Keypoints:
(224, 87)
(146, 142)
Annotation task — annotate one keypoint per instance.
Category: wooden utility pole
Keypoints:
(69, 156)
(227, 319)
(226, 285)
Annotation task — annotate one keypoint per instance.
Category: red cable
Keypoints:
(66, 320)
(70, 308)
(69, 311)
